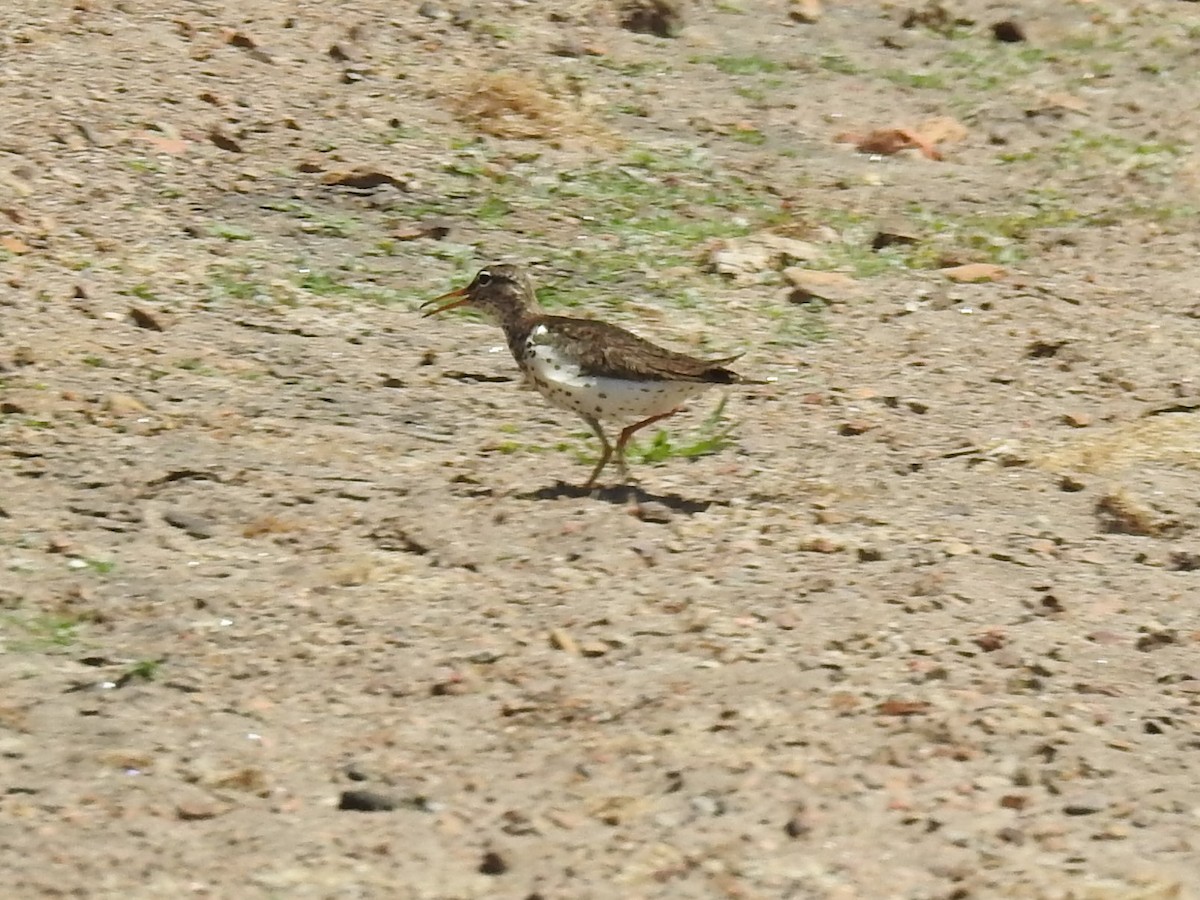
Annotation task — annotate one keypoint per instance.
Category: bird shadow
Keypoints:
(620, 495)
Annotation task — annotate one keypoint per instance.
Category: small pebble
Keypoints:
(195, 526)
(653, 511)
(366, 801)
(1084, 806)
(492, 864)
(1008, 32)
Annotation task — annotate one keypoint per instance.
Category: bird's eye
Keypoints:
(483, 278)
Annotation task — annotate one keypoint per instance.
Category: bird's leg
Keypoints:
(605, 453)
(627, 433)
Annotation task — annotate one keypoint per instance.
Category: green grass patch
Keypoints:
(229, 232)
(234, 285)
(796, 326)
(631, 108)
(143, 291)
(1099, 153)
(919, 80)
(492, 210)
(143, 166)
(633, 218)
(397, 132)
(40, 632)
(681, 204)
(344, 284)
(1086, 43)
(324, 284)
(314, 221)
(495, 31)
(638, 69)
(755, 95)
(509, 447)
(968, 70)
(647, 213)
(195, 365)
(751, 136)
(742, 65)
(714, 435)
(999, 237)
(142, 670)
(836, 62)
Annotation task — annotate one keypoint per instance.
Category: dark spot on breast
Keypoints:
(603, 396)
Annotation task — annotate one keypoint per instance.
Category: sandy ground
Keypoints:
(299, 598)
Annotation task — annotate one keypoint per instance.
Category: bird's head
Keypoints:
(499, 291)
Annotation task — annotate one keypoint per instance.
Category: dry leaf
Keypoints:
(1063, 100)
(13, 244)
(887, 141)
(164, 144)
(942, 130)
(844, 702)
(747, 258)
(224, 140)
(808, 278)
(805, 11)
(363, 179)
(903, 707)
(239, 39)
(516, 105)
(821, 285)
(507, 105)
(925, 138)
(661, 18)
(436, 228)
(144, 318)
(243, 41)
(975, 272)
(991, 640)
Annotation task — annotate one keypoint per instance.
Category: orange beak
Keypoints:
(460, 297)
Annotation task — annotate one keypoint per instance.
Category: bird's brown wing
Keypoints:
(612, 352)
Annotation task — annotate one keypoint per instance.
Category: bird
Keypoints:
(599, 371)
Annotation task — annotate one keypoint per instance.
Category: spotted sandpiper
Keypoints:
(597, 370)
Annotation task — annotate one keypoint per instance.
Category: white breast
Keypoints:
(560, 381)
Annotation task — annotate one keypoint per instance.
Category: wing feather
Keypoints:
(611, 351)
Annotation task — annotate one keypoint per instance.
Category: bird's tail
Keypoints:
(721, 375)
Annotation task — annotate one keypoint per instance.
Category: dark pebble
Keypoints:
(1008, 32)
(1084, 806)
(196, 526)
(492, 864)
(661, 18)
(355, 773)
(366, 801)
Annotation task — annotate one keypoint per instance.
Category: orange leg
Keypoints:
(627, 433)
(605, 454)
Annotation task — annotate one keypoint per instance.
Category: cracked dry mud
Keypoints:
(299, 600)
